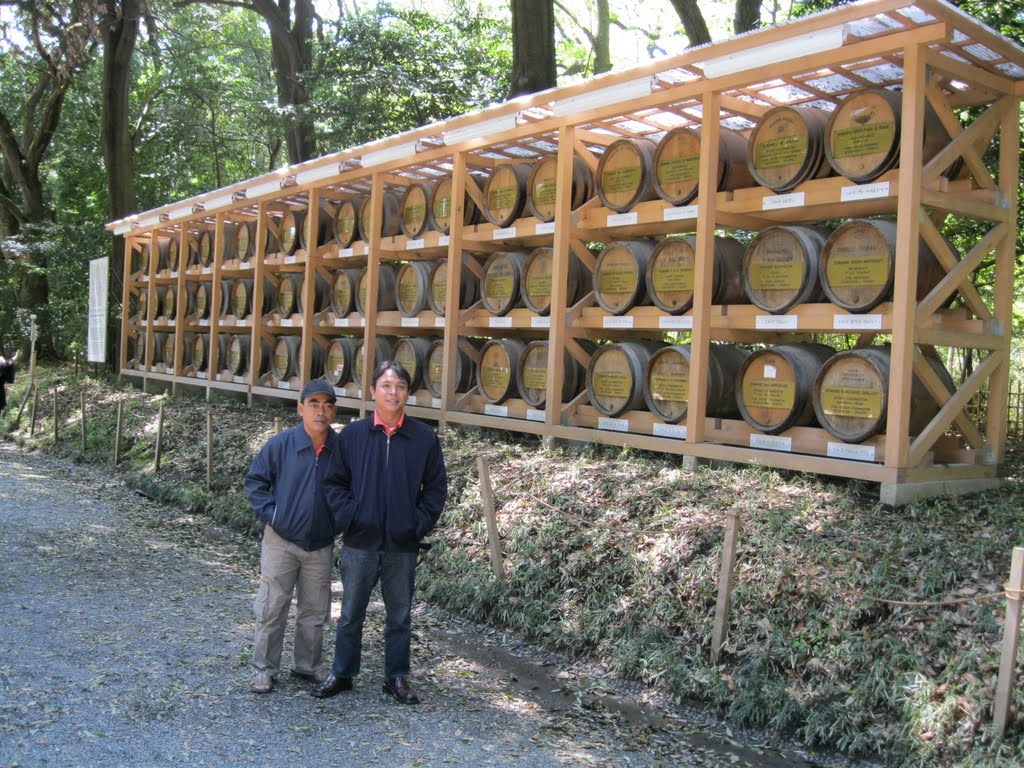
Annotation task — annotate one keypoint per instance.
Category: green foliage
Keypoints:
(390, 70)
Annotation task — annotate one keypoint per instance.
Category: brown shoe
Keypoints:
(262, 682)
(332, 686)
(401, 690)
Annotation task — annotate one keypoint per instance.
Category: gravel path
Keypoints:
(125, 633)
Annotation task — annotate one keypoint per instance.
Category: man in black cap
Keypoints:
(292, 483)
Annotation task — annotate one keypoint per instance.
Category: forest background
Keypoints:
(116, 106)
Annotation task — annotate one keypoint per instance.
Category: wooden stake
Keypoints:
(55, 424)
(35, 408)
(1011, 638)
(209, 448)
(119, 432)
(487, 497)
(725, 576)
(83, 422)
(159, 438)
(278, 423)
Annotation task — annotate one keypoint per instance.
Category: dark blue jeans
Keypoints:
(360, 572)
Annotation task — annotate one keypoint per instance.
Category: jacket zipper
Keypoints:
(387, 454)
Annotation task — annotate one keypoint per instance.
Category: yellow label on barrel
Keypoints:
(172, 253)
(439, 288)
(678, 169)
(544, 192)
(342, 292)
(241, 242)
(336, 361)
(672, 275)
(286, 297)
(499, 286)
(281, 358)
(867, 139)
(347, 224)
(618, 281)
(358, 364)
(538, 285)
(535, 378)
(773, 274)
(202, 299)
(621, 179)
(674, 388)
(198, 354)
(408, 289)
(851, 402)
(786, 150)
(612, 384)
(435, 370)
(442, 207)
(235, 355)
(362, 294)
(766, 393)
(406, 355)
(851, 270)
(169, 297)
(495, 377)
(502, 198)
(413, 215)
(241, 300)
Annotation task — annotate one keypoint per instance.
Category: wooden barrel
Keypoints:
(775, 386)
(441, 205)
(145, 298)
(615, 376)
(324, 228)
(385, 289)
(625, 174)
(669, 273)
(285, 360)
(787, 148)
(273, 244)
(863, 134)
(667, 381)
(857, 266)
(242, 298)
(413, 219)
(411, 352)
(288, 291)
(851, 394)
(321, 294)
(469, 287)
(388, 216)
(412, 287)
(289, 227)
(505, 193)
(532, 375)
(620, 275)
(316, 360)
(343, 291)
(496, 373)
(542, 186)
(501, 285)
(159, 342)
(537, 280)
(346, 222)
(245, 240)
(382, 350)
(780, 268)
(167, 348)
(464, 373)
(201, 299)
(677, 164)
(340, 359)
(200, 352)
(239, 358)
(169, 302)
(170, 253)
(204, 251)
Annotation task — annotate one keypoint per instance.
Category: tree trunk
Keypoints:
(533, 47)
(693, 22)
(602, 43)
(291, 47)
(120, 30)
(748, 16)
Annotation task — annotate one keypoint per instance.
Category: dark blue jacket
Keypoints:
(396, 486)
(293, 490)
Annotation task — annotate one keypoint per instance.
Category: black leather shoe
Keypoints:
(401, 690)
(332, 686)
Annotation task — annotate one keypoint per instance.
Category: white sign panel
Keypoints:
(97, 343)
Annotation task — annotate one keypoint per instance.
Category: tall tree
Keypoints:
(533, 47)
(291, 37)
(53, 41)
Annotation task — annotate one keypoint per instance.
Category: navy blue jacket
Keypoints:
(293, 490)
(396, 486)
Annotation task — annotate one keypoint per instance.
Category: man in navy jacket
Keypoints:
(394, 474)
(293, 485)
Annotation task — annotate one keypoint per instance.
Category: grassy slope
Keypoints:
(615, 554)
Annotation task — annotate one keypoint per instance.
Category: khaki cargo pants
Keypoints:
(285, 567)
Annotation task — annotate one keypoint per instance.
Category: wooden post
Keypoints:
(159, 438)
(487, 497)
(83, 422)
(56, 429)
(725, 575)
(209, 448)
(35, 409)
(278, 424)
(119, 432)
(1011, 637)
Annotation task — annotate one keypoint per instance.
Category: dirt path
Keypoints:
(125, 632)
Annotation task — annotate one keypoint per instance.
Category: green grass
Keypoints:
(615, 554)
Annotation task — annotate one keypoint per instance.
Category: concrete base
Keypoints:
(899, 494)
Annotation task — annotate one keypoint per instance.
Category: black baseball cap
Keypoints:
(317, 387)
